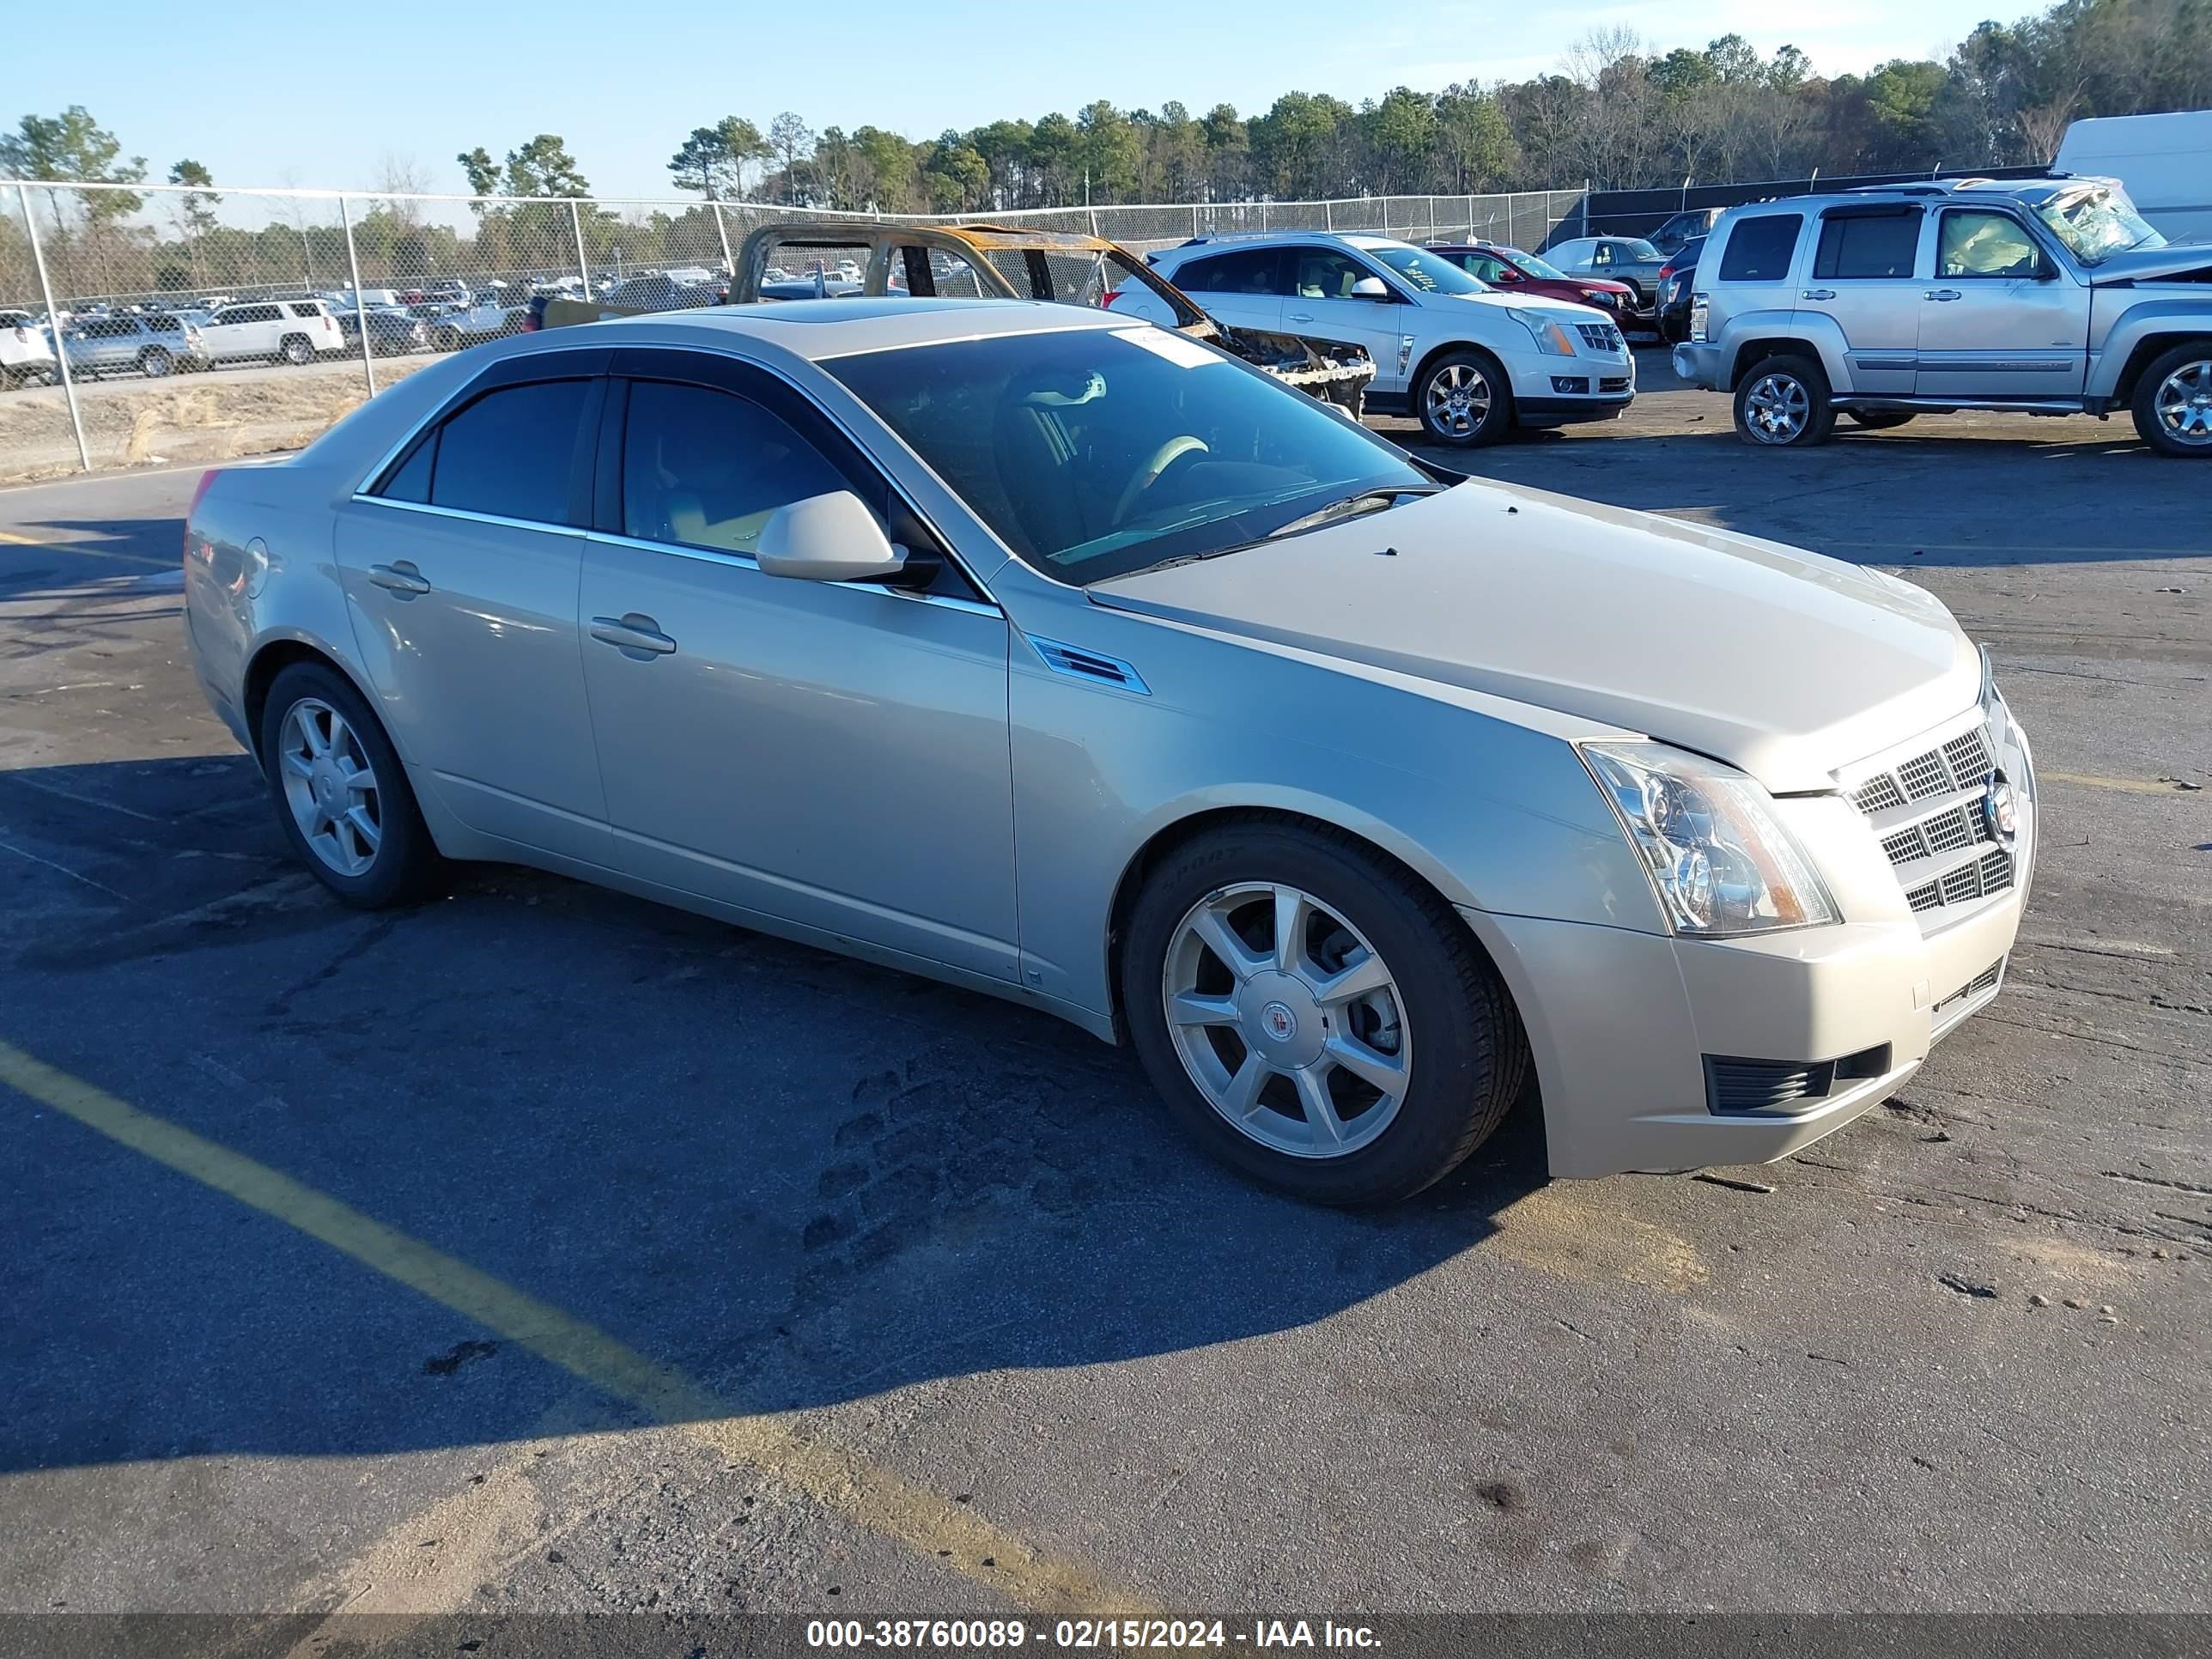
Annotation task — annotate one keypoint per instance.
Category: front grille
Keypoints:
(1952, 769)
(1600, 337)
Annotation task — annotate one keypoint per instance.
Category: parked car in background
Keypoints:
(1511, 269)
(2043, 297)
(661, 292)
(1677, 279)
(1471, 363)
(1690, 224)
(26, 350)
(1344, 846)
(393, 330)
(452, 327)
(986, 261)
(271, 330)
(121, 341)
(1620, 258)
(2163, 162)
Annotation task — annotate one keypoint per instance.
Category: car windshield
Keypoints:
(1094, 453)
(1426, 272)
(2095, 224)
(1542, 270)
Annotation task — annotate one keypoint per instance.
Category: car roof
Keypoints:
(820, 329)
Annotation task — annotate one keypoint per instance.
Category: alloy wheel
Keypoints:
(1777, 409)
(2184, 403)
(1287, 1019)
(1458, 399)
(330, 787)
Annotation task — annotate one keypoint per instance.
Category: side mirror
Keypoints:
(1369, 288)
(829, 538)
(2045, 271)
(1507, 273)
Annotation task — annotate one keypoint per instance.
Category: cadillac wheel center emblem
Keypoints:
(1279, 1022)
(2001, 808)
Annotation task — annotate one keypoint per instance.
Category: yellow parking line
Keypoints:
(836, 1479)
(79, 548)
(2133, 785)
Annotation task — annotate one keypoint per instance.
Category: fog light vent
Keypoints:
(1736, 1087)
(1567, 383)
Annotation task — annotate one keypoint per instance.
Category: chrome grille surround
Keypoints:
(1925, 801)
(1600, 337)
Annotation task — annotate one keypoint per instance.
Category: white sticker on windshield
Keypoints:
(1179, 349)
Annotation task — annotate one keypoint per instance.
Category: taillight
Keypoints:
(1106, 300)
(199, 491)
(529, 322)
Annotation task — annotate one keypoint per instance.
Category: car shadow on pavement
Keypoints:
(798, 1179)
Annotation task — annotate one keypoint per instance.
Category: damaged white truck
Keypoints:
(2041, 296)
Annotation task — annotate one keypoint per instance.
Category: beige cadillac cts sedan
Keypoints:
(1063, 658)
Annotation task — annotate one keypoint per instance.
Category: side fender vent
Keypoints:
(1090, 665)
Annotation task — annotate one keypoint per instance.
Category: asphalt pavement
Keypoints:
(541, 1249)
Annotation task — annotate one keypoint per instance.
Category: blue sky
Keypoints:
(274, 94)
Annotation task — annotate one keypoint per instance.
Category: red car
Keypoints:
(1515, 272)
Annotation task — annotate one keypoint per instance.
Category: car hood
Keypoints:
(2148, 263)
(1781, 662)
(1545, 304)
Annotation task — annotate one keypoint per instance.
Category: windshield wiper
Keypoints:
(1365, 501)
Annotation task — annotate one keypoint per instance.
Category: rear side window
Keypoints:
(1867, 246)
(1760, 250)
(1249, 270)
(507, 454)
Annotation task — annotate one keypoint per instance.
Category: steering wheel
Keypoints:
(1149, 474)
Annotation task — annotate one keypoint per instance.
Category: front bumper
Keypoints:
(1626, 1027)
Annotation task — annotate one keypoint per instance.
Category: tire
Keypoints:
(403, 860)
(1451, 373)
(296, 350)
(153, 362)
(446, 339)
(1782, 403)
(1880, 419)
(2172, 402)
(1443, 1014)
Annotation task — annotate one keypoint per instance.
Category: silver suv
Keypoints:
(2045, 296)
(153, 343)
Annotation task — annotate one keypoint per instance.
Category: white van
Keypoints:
(2165, 161)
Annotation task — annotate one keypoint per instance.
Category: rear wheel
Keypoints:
(1879, 420)
(1465, 400)
(1316, 1018)
(342, 796)
(446, 339)
(1783, 403)
(2172, 402)
(296, 349)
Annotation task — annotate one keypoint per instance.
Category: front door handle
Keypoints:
(632, 632)
(1942, 294)
(401, 578)
(1818, 293)
(1301, 317)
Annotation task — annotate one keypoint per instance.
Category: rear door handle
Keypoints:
(1301, 317)
(632, 632)
(1818, 293)
(400, 578)
(1942, 294)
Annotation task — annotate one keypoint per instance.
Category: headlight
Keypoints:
(1719, 861)
(1551, 339)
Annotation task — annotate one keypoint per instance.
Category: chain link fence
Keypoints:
(149, 322)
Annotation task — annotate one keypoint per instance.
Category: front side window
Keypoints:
(1094, 453)
(1483, 267)
(1425, 272)
(1866, 246)
(702, 468)
(1761, 249)
(1322, 273)
(1974, 244)
(507, 454)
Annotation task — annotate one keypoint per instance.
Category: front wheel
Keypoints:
(1783, 404)
(2172, 404)
(342, 796)
(153, 362)
(1314, 1016)
(1465, 400)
